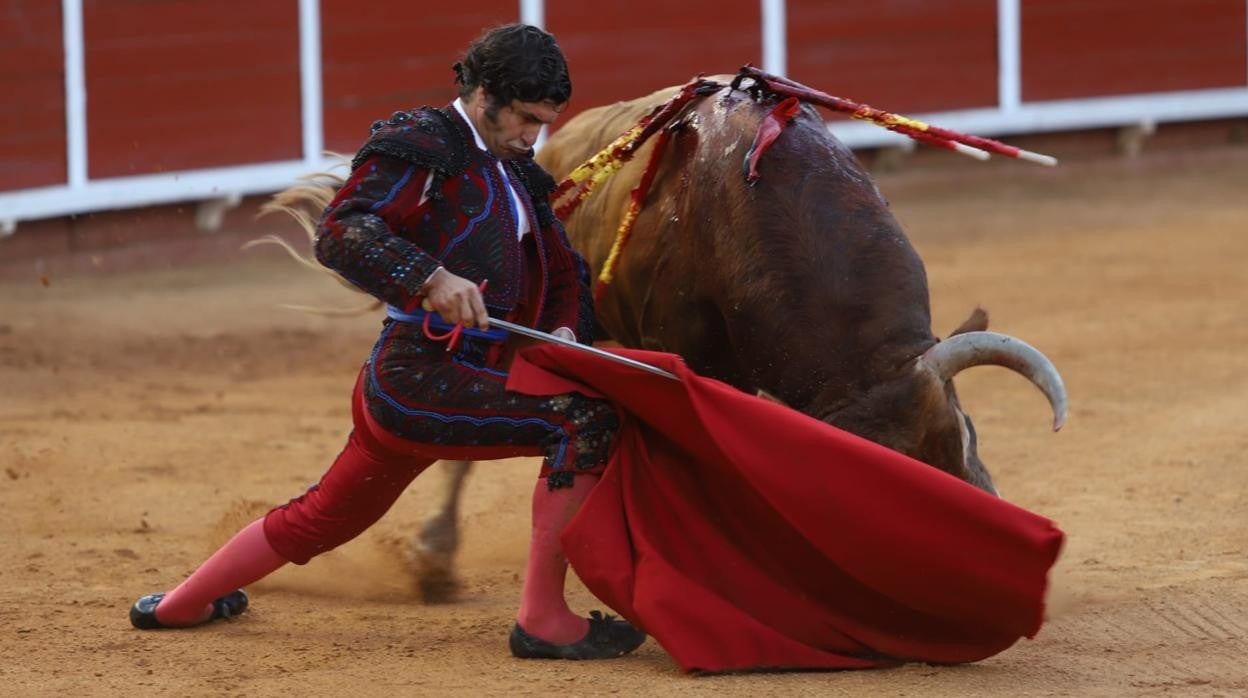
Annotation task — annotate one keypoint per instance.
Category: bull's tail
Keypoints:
(305, 202)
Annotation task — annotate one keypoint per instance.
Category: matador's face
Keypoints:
(509, 131)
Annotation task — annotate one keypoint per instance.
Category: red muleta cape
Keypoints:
(742, 534)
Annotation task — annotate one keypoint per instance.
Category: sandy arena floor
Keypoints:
(143, 416)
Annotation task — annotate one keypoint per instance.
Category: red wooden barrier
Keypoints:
(32, 116)
(188, 84)
(1093, 48)
(378, 58)
(909, 55)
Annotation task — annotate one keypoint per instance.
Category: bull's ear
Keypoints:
(977, 322)
(768, 396)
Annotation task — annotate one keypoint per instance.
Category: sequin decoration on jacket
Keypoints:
(386, 236)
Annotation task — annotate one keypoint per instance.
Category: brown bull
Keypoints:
(801, 286)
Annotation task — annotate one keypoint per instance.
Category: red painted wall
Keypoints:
(900, 55)
(622, 50)
(1089, 48)
(187, 84)
(32, 112)
(379, 57)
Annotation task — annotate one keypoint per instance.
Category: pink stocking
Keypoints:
(544, 613)
(246, 558)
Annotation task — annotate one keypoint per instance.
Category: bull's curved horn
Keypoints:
(963, 351)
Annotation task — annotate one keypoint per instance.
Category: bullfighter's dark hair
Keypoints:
(515, 61)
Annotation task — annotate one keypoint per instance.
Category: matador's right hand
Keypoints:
(456, 299)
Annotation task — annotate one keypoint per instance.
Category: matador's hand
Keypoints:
(456, 299)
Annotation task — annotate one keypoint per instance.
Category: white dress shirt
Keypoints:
(517, 205)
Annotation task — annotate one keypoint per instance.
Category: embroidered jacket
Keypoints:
(386, 235)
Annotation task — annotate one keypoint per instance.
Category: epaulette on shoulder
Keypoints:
(539, 184)
(537, 180)
(425, 137)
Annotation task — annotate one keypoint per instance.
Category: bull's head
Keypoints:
(918, 412)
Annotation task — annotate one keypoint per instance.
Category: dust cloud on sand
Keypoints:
(145, 417)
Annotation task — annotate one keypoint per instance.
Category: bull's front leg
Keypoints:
(435, 545)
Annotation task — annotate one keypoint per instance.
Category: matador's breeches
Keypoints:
(408, 414)
(457, 402)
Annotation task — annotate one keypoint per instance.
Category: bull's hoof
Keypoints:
(607, 638)
(438, 587)
(436, 582)
(433, 557)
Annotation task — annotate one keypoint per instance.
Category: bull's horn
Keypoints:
(963, 351)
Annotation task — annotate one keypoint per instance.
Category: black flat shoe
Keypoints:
(607, 638)
(143, 612)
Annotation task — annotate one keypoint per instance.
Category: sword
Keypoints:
(546, 337)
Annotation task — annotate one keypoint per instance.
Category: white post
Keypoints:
(311, 104)
(75, 94)
(533, 12)
(775, 37)
(1009, 55)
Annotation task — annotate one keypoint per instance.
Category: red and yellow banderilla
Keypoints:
(974, 146)
(582, 181)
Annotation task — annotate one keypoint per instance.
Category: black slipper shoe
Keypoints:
(607, 638)
(143, 612)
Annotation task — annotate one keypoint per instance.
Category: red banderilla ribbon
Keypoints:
(454, 333)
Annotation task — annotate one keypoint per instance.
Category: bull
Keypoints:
(800, 286)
